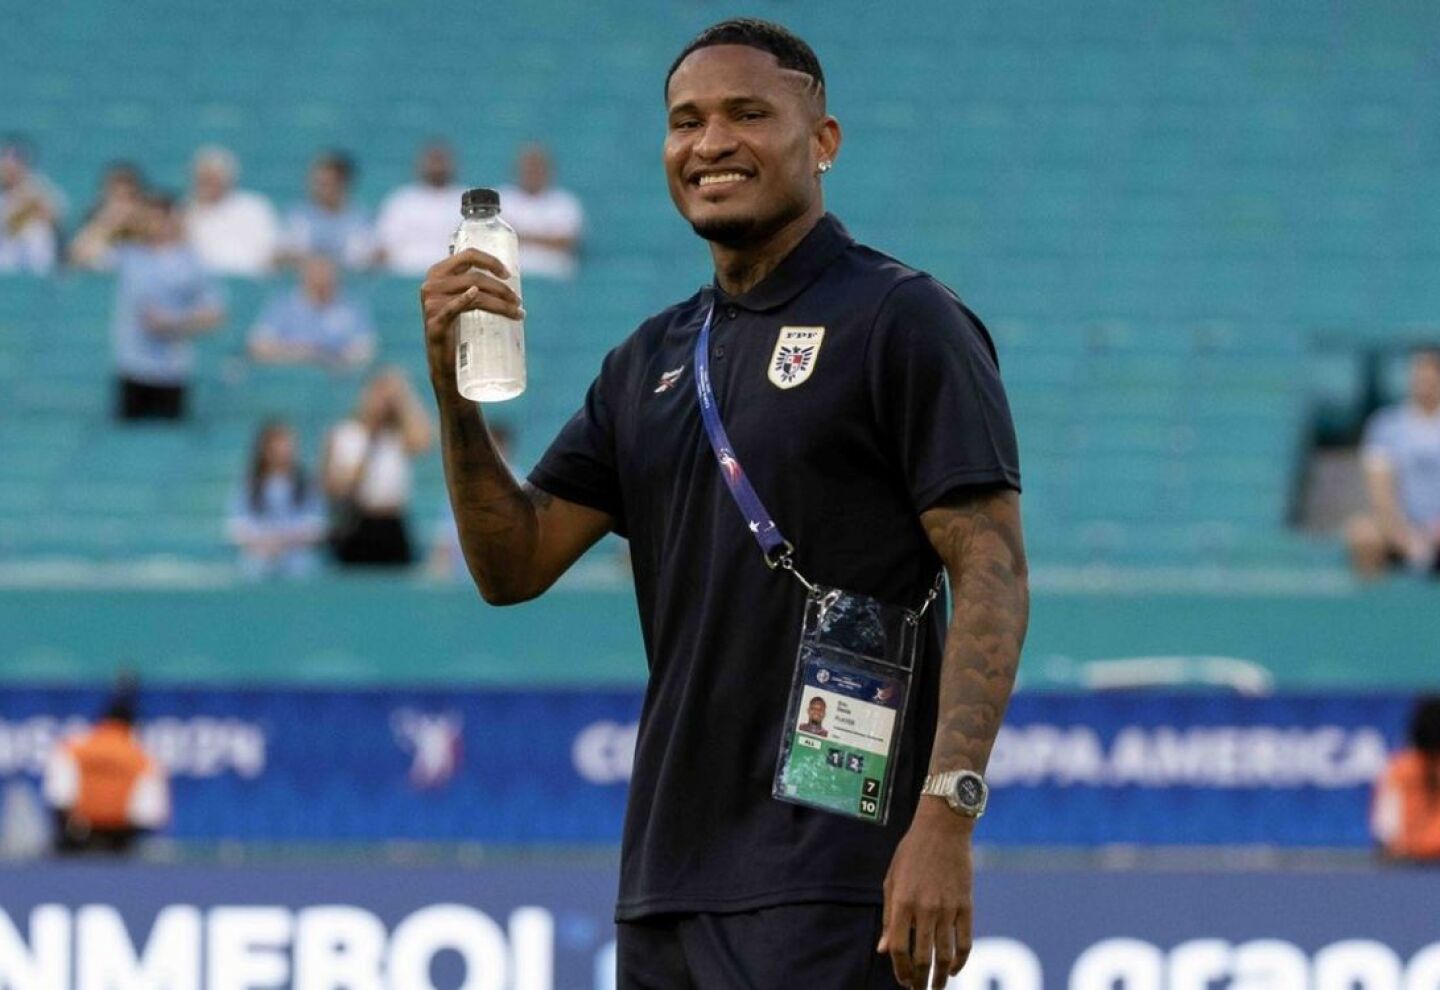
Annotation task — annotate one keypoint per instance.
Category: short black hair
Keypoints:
(342, 162)
(789, 49)
(1425, 726)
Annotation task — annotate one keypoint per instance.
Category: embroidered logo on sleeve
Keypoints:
(796, 352)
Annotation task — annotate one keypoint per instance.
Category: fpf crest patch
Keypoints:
(796, 352)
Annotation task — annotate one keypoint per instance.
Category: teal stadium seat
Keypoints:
(1139, 225)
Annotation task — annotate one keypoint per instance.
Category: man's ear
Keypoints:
(827, 139)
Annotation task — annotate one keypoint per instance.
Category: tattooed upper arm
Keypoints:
(977, 528)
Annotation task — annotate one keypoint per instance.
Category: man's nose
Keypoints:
(716, 141)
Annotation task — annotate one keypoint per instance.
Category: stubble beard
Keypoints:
(748, 231)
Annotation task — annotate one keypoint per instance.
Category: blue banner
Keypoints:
(509, 766)
(537, 927)
(1190, 769)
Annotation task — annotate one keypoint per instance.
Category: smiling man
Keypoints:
(865, 404)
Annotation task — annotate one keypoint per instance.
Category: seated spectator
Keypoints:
(368, 474)
(234, 232)
(30, 212)
(116, 218)
(1405, 816)
(105, 790)
(328, 223)
(546, 219)
(277, 517)
(417, 220)
(164, 299)
(1400, 455)
(314, 323)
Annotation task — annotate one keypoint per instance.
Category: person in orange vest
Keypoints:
(1405, 816)
(106, 791)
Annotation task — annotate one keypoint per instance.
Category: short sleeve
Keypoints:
(572, 215)
(1378, 445)
(240, 519)
(580, 464)
(935, 385)
(348, 443)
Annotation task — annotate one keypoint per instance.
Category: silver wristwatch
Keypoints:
(964, 791)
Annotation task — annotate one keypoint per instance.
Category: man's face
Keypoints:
(326, 185)
(437, 166)
(1425, 380)
(742, 143)
(212, 182)
(534, 171)
(817, 712)
(122, 186)
(163, 224)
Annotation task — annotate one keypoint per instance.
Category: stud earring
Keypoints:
(823, 167)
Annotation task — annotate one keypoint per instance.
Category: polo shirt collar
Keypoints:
(825, 242)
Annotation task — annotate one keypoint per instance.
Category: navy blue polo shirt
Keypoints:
(897, 403)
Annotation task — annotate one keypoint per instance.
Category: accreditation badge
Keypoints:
(847, 704)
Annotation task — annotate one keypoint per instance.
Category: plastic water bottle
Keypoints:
(489, 348)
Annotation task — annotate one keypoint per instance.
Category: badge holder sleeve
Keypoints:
(856, 654)
(856, 657)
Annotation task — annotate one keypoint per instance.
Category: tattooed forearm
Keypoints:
(978, 536)
(496, 517)
(517, 539)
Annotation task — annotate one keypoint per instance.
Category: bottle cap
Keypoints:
(481, 196)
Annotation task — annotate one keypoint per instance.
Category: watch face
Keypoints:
(968, 792)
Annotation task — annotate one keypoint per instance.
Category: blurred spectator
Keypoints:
(546, 219)
(368, 474)
(277, 517)
(105, 790)
(314, 323)
(116, 218)
(30, 212)
(416, 220)
(328, 223)
(447, 559)
(1405, 817)
(1400, 454)
(163, 301)
(233, 231)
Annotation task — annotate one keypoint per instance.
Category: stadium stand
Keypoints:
(1146, 247)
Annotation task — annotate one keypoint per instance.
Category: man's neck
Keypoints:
(738, 270)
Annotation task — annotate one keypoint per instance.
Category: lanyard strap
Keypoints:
(776, 548)
(778, 551)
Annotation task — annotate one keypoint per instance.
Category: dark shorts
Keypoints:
(375, 541)
(137, 400)
(793, 945)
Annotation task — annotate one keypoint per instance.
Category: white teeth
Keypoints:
(718, 177)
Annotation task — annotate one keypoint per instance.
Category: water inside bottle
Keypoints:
(489, 348)
(489, 359)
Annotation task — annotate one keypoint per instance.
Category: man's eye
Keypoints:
(752, 115)
(685, 125)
